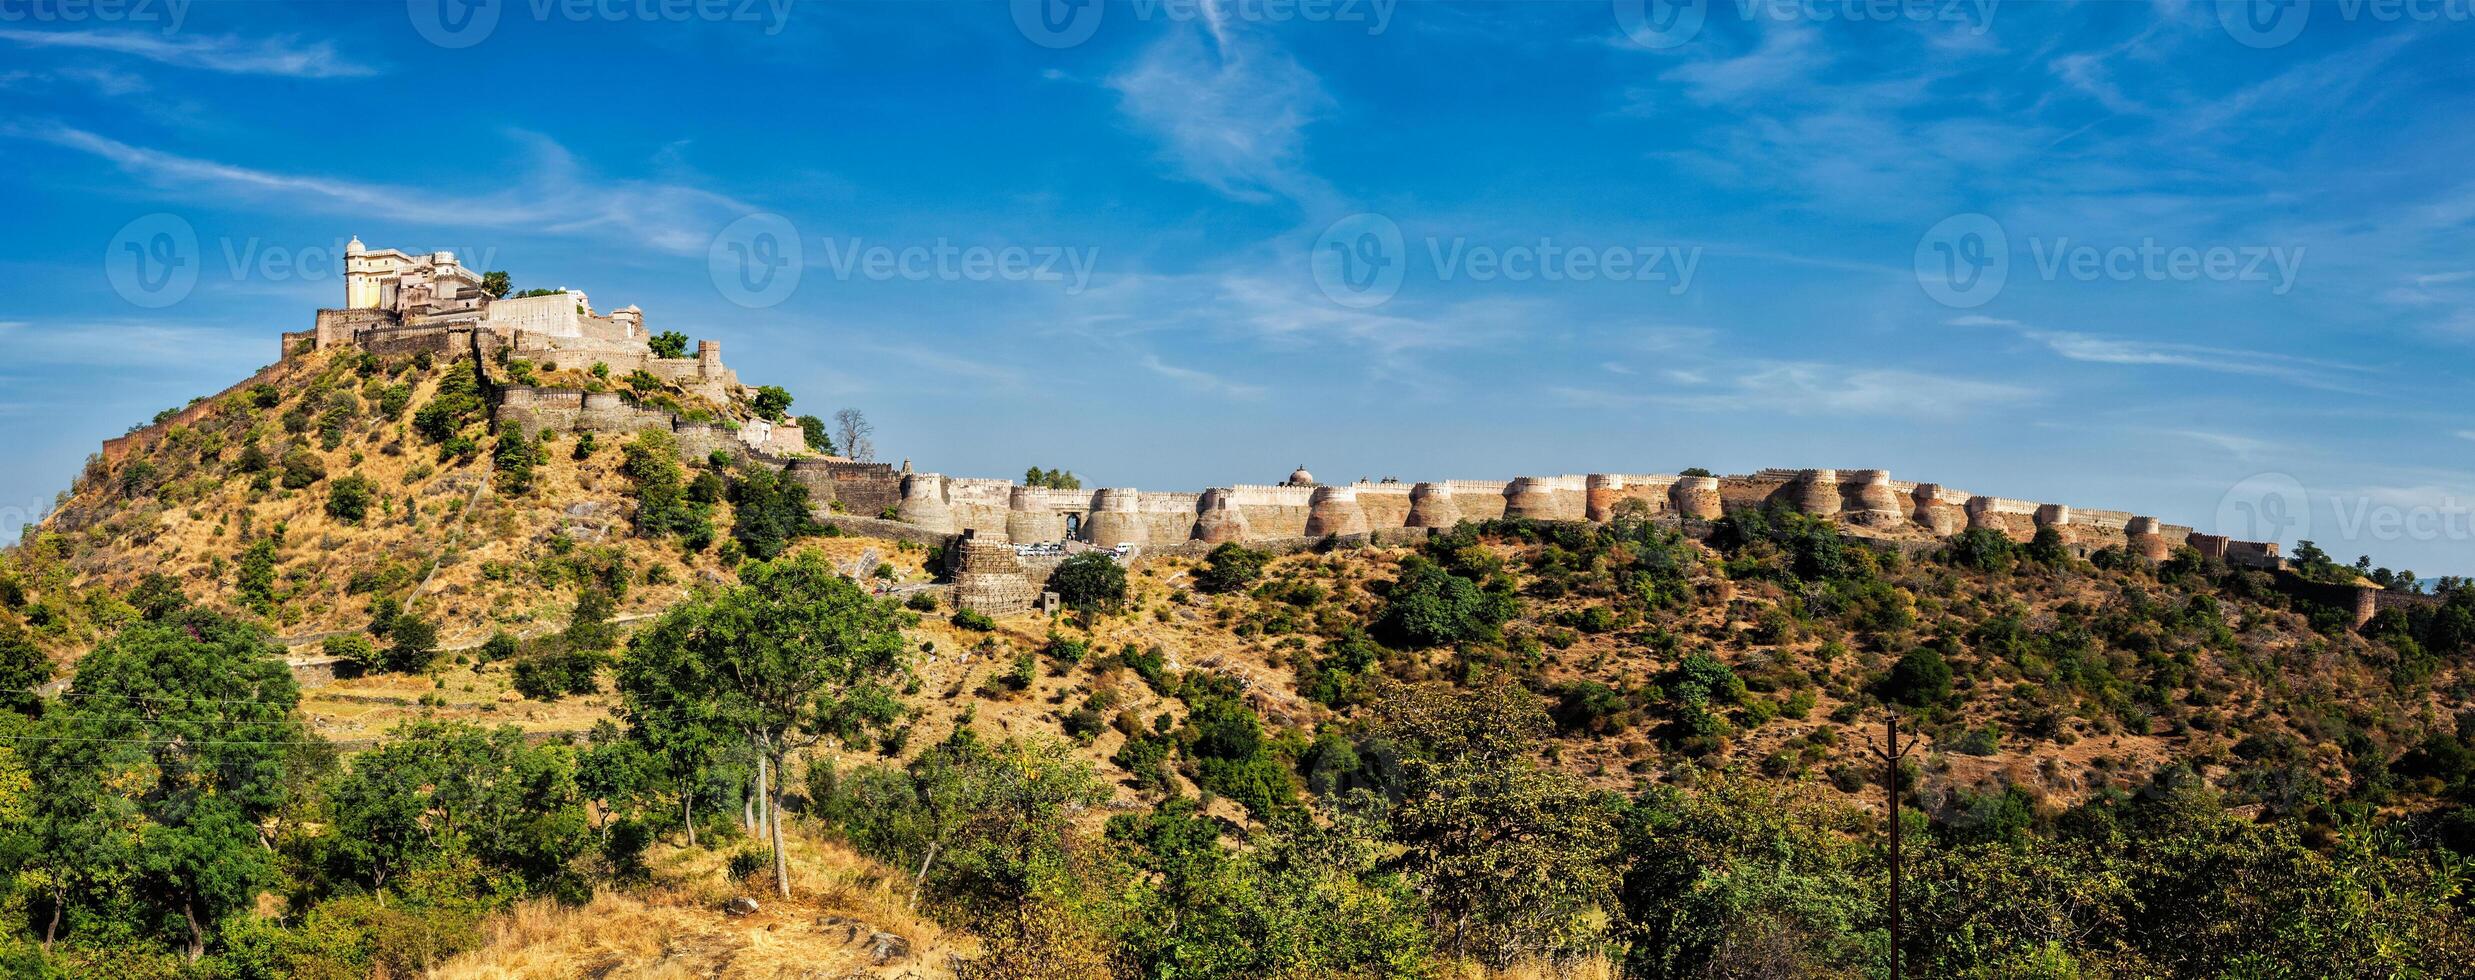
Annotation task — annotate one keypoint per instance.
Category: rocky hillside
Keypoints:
(1659, 673)
(341, 480)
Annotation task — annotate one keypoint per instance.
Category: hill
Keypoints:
(1643, 744)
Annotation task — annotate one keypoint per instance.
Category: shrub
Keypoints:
(415, 647)
(348, 499)
(302, 468)
(551, 676)
(979, 622)
(1231, 568)
(1090, 582)
(1983, 549)
(1428, 606)
(1920, 679)
(502, 645)
(352, 648)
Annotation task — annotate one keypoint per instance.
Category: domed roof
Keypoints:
(354, 247)
(1301, 478)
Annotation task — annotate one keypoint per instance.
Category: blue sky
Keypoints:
(2172, 258)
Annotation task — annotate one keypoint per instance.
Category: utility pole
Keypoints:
(1891, 753)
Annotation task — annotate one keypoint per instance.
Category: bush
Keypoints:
(1231, 568)
(747, 864)
(1428, 606)
(302, 468)
(415, 647)
(922, 601)
(1920, 679)
(352, 648)
(502, 645)
(550, 676)
(978, 622)
(1090, 582)
(1983, 549)
(349, 499)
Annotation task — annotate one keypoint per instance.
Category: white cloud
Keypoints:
(1784, 58)
(1805, 388)
(284, 56)
(1230, 112)
(2096, 349)
(557, 196)
(2240, 447)
(1201, 380)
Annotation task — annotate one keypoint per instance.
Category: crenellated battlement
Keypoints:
(1869, 501)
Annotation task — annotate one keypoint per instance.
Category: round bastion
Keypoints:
(1697, 497)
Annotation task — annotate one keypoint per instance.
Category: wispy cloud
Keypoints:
(1806, 388)
(1230, 111)
(110, 343)
(2096, 349)
(1200, 380)
(2238, 446)
(1784, 57)
(946, 364)
(557, 196)
(284, 56)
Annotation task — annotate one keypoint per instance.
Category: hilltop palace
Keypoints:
(396, 302)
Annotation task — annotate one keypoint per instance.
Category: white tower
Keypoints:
(360, 277)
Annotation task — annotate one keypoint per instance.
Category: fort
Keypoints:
(397, 302)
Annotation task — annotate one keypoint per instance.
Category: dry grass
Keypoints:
(677, 929)
(1590, 969)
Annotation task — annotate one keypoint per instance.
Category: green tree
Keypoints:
(415, 645)
(1511, 858)
(1303, 898)
(349, 499)
(495, 283)
(668, 343)
(662, 505)
(772, 402)
(1051, 479)
(1739, 878)
(1920, 679)
(768, 512)
(437, 792)
(156, 773)
(793, 654)
(1092, 581)
(301, 468)
(1429, 606)
(819, 441)
(986, 825)
(23, 667)
(1231, 567)
(1983, 549)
